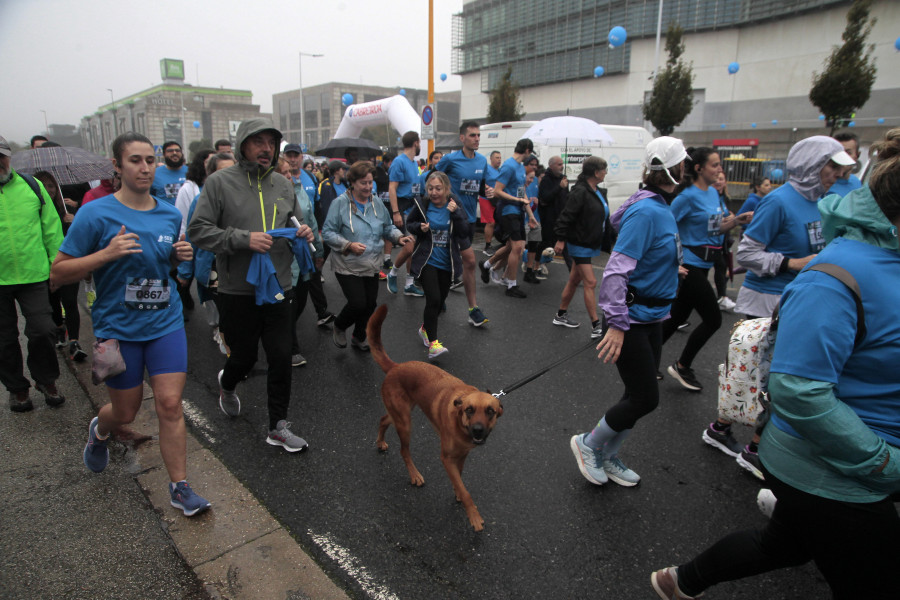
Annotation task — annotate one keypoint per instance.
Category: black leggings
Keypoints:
(695, 293)
(311, 288)
(436, 285)
(637, 364)
(362, 297)
(853, 545)
(66, 297)
(720, 274)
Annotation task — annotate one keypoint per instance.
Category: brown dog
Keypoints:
(462, 415)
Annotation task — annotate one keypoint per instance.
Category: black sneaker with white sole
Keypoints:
(564, 321)
(685, 376)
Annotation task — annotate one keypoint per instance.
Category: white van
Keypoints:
(624, 156)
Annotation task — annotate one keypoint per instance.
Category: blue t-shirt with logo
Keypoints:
(167, 182)
(466, 175)
(310, 186)
(842, 187)
(136, 299)
(439, 224)
(405, 172)
(491, 176)
(649, 235)
(786, 223)
(699, 216)
(512, 176)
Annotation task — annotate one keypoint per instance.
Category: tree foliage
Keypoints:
(672, 98)
(846, 83)
(505, 103)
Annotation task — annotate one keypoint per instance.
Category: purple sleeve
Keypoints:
(614, 288)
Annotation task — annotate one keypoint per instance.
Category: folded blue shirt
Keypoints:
(262, 274)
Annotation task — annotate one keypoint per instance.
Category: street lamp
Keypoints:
(113, 102)
(46, 127)
(302, 54)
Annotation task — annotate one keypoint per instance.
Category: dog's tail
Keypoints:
(373, 333)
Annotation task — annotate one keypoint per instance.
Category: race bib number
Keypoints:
(714, 224)
(520, 191)
(816, 237)
(470, 186)
(678, 249)
(385, 196)
(172, 189)
(415, 189)
(441, 238)
(147, 294)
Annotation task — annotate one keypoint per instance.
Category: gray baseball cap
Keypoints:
(5, 150)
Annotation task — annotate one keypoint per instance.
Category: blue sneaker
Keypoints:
(413, 290)
(618, 472)
(392, 283)
(96, 454)
(476, 317)
(185, 499)
(590, 461)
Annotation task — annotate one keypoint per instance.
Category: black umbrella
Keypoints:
(337, 147)
(67, 164)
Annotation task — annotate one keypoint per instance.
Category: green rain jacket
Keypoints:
(30, 233)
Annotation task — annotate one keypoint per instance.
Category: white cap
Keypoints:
(843, 159)
(668, 150)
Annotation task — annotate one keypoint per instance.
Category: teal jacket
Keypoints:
(30, 233)
(346, 224)
(816, 442)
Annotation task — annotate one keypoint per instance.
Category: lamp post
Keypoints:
(113, 102)
(301, 55)
(46, 127)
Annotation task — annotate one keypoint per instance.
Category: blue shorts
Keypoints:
(166, 354)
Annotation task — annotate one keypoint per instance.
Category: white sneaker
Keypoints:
(726, 304)
(498, 278)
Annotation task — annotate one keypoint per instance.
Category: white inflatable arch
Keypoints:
(395, 110)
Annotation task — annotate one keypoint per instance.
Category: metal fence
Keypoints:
(740, 172)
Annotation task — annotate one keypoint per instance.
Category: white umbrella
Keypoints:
(568, 131)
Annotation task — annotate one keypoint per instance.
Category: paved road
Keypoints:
(548, 533)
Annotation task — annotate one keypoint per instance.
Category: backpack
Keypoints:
(33, 184)
(744, 377)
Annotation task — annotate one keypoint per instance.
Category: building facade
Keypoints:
(553, 46)
(323, 110)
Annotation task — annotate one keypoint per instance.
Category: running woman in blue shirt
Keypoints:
(130, 241)
(702, 222)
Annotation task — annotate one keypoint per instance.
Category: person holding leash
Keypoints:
(441, 231)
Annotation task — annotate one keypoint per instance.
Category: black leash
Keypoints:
(537, 374)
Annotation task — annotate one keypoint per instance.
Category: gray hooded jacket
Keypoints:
(237, 201)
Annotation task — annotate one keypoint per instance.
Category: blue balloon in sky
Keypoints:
(347, 99)
(774, 121)
(897, 44)
(403, 93)
(196, 124)
(443, 77)
(722, 125)
(881, 121)
(617, 36)
(598, 71)
(733, 68)
(777, 173)
(753, 125)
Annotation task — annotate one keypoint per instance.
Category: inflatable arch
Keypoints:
(395, 110)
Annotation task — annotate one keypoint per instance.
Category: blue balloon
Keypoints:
(347, 99)
(403, 93)
(722, 125)
(821, 117)
(774, 121)
(443, 77)
(753, 125)
(851, 124)
(196, 124)
(617, 36)
(897, 44)
(881, 121)
(777, 174)
(734, 68)
(599, 71)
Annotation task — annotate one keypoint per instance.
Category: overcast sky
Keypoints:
(61, 56)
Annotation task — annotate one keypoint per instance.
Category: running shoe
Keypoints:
(361, 345)
(564, 321)
(485, 273)
(515, 292)
(455, 284)
(339, 336)
(96, 454)
(75, 351)
(20, 402)
(325, 319)
(382, 275)
(186, 500)
(498, 278)
(387, 264)
(284, 437)
(61, 336)
(750, 460)
(51, 395)
(665, 582)
(590, 461)
(597, 332)
(392, 283)
(424, 336)
(435, 349)
(684, 326)
(413, 290)
(228, 400)
(618, 472)
(476, 317)
(488, 251)
(297, 360)
(723, 440)
(685, 376)
(726, 304)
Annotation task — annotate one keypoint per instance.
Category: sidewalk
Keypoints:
(68, 533)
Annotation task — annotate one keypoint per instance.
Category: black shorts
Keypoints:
(581, 260)
(513, 227)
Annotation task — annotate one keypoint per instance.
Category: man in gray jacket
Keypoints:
(236, 208)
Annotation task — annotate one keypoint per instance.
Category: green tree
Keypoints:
(198, 145)
(505, 103)
(846, 83)
(672, 98)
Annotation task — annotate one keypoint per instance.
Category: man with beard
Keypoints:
(231, 219)
(171, 176)
(29, 242)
